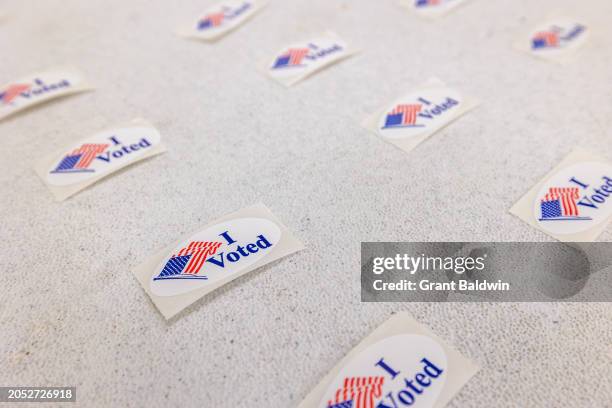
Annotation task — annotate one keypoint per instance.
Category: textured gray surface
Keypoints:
(72, 313)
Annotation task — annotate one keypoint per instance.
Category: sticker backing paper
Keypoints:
(402, 363)
(573, 202)
(83, 163)
(222, 18)
(37, 88)
(298, 61)
(412, 118)
(214, 255)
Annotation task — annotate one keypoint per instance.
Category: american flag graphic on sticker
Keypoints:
(358, 392)
(433, 8)
(545, 39)
(211, 20)
(13, 91)
(560, 204)
(80, 159)
(188, 261)
(291, 58)
(427, 3)
(403, 115)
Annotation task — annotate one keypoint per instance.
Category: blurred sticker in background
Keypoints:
(37, 88)
(555, 39)
(432, 8)
(298, 61)
(221, 18)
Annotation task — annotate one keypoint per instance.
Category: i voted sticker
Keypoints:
(87, 161)
(432, 8)
(575, 199)
(34, 89)
(222, 18)
(401, 364)
(404, 370)
(409, 120)
(297, 61)
(574, 202)
(555, 38)
(217, 254)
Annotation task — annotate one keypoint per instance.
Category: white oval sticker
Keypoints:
(216, 253)
(403, 370)
(575, 199)
(101, 154)
(419, 112)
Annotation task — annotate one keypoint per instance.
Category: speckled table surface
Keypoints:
(72, 313)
